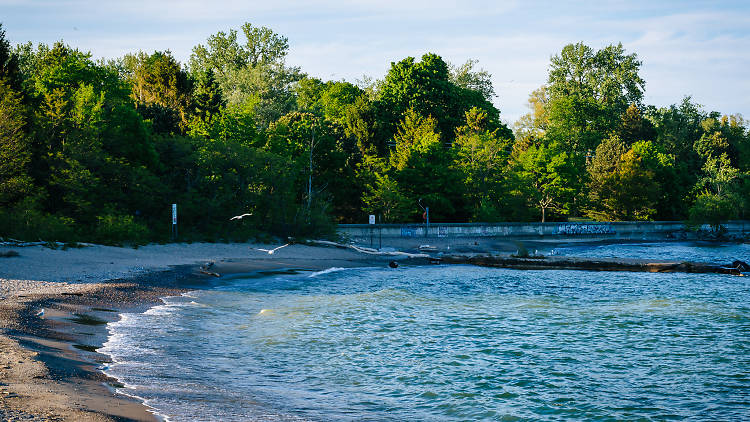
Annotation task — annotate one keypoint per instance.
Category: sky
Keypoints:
(696, 48)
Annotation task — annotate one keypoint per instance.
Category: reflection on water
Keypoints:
(447, 343)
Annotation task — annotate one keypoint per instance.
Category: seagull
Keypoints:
(240, 217)
(271, 251)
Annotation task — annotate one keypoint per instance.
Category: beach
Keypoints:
(54, 305)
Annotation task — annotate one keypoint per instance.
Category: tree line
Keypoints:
(98, 150)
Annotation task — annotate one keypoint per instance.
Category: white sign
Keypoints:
(372, 219)
(174, 213)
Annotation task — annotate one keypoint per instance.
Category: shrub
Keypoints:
(118, 229)
(712, 209)
(30, 224)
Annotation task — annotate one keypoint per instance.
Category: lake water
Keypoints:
(450, 343)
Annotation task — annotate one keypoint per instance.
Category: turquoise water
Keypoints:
(446, 343)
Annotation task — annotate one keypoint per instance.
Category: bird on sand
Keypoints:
(240, 217)
(271, 251)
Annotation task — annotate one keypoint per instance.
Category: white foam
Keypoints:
(327, 271)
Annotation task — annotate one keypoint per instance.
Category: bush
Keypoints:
(118, 229)
(24, 223)
(712, 209)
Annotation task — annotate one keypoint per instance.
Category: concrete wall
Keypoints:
(614, 230)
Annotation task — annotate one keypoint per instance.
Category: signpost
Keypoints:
(174, 221)
(426, 220)
(372, 222)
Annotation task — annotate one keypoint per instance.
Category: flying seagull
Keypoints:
(240, 217)
(271, 251)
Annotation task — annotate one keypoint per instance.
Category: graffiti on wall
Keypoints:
(408, 231)
(570, 228)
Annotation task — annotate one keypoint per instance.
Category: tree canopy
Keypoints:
(99, 150)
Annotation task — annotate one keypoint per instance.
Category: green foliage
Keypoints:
(546, 178)
(422, 167)
(480, 81)
(627, 185)
(482, 158)
(360, 124)
(223, 53)
(384, 198)
(589, 90)
(15, 148)
(635, 127)
(426, 87)
(720, 176)
(119, 229)
(9, 68)
(533, 125)
(263, 45)
(98, 151)
(24, 221)
(331, 99)
(267, 89)
(207, 99)
(161, 89)
(712, 209)
(252, 75)
(319, 155)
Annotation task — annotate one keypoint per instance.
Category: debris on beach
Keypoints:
(365, 250)
(204, 269)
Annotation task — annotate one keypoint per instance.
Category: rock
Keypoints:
(741, 265)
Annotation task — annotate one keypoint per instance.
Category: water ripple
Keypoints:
(447, 343)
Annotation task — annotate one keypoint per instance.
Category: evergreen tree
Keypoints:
(15, 149)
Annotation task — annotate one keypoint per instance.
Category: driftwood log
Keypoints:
(595, 264)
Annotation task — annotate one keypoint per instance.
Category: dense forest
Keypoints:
(99, 150)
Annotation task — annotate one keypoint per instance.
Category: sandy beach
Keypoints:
(54, 305)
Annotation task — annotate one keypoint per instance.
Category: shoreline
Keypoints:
(50, 369)
(54, 307)
(57, 335)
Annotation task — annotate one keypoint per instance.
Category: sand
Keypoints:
(48, 363)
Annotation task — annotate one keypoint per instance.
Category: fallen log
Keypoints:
(366, 250)
(591, 264)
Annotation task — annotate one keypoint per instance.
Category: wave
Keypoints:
(327, 271)
(118, 345)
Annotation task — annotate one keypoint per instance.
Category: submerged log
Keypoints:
(592, 264)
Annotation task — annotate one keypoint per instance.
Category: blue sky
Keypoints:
(697, 48)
